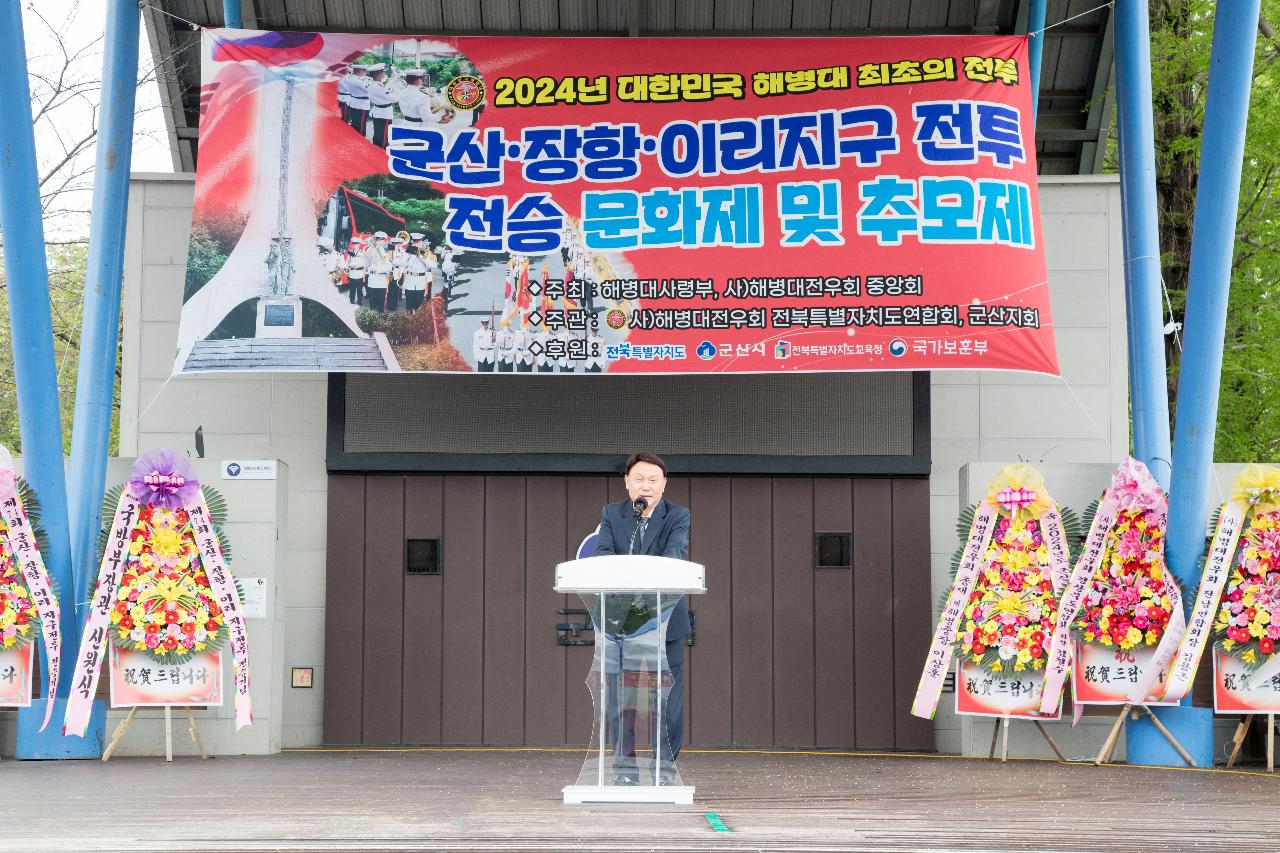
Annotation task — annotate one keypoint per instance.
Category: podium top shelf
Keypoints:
(637, 573)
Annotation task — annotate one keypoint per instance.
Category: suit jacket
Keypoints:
(667, 535)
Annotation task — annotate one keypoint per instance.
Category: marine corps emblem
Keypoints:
(465, 92)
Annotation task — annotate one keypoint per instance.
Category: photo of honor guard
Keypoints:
(357, 98)
(356, 264)
(482, 347)
(505, 343)
(380, 103)
(378, 263)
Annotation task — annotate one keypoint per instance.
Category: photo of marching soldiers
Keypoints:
(442, 309)
(403, 82)
(383, 245)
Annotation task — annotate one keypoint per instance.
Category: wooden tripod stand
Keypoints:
(168, 733)
(1109, 745)
(1002, 724)
(1237, 740)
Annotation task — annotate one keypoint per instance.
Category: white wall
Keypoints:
(976, 417)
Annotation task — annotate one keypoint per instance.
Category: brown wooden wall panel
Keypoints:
(833, 622)
(584, 498)
(462, 624)
(752, 598)
(544, 671)
(786, 655)
(504, 596)
(709, 690)
(793, 640)
(383, 609)
(873, 613)
(343, 677)
(912, 610)
(423, 596)
(678, 492)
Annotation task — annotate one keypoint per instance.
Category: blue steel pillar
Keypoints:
(1212, 242)
(31, 324)
(100, 330)
(1137, 428)
(1035, 48)
(1147, 370)
(231, 14)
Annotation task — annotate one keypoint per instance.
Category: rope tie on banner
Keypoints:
(191, 24)
(1072, 18)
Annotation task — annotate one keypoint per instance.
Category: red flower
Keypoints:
(1266, 645)
(153, 628)
(188, 627)
(20, 619)
(171, 617)
(1037, 636)
(145, 513)
(181, 516)
(126, 622)
(170, 643)
(1008, 630)
(1037, 650)
(211, 626)
(1251, 613)
(122, 607)
(978, 648)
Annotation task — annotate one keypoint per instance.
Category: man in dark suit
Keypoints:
(662, 530)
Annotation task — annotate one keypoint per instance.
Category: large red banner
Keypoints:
(563, 205)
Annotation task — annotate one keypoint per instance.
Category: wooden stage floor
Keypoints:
(510, 800)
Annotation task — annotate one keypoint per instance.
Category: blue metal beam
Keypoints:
(100, 332)
(232, 16)
(30, 320)
(1148, 390)
(1226, 115)
(1035, 47)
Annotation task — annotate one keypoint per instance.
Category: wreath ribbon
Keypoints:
(220, 581)
(1060, 647)
(26, 553)
(84, 679)
(1185, 651)
(944, 636)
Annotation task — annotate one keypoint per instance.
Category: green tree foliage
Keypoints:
(67, 264)
(1181, 36)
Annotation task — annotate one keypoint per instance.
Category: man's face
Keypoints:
(645, 480)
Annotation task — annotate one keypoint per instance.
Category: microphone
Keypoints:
(638, 506)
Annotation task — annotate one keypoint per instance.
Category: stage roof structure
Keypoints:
(1076, 99)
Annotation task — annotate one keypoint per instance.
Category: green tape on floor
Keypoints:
(716, 823)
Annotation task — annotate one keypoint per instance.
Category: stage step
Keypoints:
(322, 354)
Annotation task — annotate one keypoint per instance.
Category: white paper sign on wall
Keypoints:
(255, 597)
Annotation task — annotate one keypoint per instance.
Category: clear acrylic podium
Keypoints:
(630, 599)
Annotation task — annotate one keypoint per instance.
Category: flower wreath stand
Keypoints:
(165, 603)
(28, 600)
(1002, 605)
(1121, 612)
(1240, 595)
